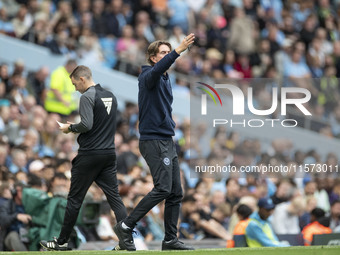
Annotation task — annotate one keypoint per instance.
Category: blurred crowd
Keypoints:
(236, 39)
(34, 153)
(295, 41)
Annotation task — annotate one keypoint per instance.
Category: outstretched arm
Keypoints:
(164, 64)
(153, 74)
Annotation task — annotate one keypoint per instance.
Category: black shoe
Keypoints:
(117, 248)
(175, 244)
(125, 237)
(54, 246)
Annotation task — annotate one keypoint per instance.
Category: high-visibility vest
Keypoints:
(314, 228)
(240, 228)
(267, 230)
(61, 81)
(327, 86)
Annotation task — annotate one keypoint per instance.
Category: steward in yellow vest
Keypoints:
(60, 97)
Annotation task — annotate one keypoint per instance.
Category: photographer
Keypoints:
(12, 218)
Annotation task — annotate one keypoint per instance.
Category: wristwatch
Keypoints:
(70, 128)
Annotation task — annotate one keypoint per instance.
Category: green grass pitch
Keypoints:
(311, 250)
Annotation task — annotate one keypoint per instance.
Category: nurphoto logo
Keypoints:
(240, 101)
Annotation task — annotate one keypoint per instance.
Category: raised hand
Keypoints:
(186, 43)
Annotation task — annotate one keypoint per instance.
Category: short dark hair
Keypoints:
(244, 211)
(81, 71)
(318, 213)
(34, 181)
(153, 49)
(325, 221)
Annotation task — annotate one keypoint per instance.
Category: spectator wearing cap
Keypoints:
(259, 232)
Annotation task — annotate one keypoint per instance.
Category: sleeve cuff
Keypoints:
(175, 54)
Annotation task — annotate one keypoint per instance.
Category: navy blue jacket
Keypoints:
(155, 99)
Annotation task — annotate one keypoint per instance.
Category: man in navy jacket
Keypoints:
(156, 128)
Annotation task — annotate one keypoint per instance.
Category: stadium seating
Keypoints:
(326, 239)
(293, 240)
(240, 241)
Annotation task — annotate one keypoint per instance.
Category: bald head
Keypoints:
(42, 73)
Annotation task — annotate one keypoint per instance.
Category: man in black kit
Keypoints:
(156, 128)
(96, 159)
